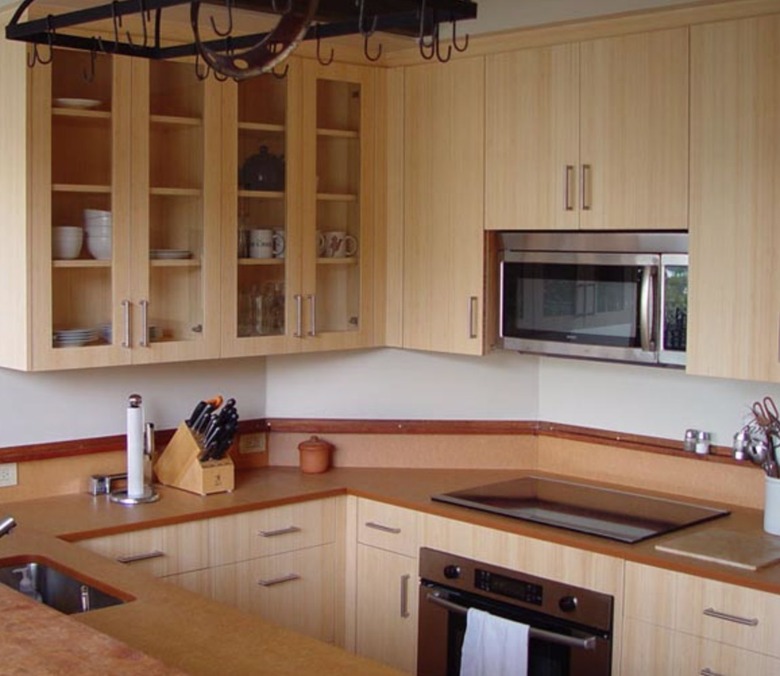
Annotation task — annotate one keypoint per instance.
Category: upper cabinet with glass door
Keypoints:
(80, 210)
(175, 213)
(335, 302)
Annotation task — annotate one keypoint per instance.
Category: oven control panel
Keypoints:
(510, 587)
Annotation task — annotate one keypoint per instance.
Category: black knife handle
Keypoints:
(195, 413)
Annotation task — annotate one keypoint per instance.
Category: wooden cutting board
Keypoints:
(747, 550)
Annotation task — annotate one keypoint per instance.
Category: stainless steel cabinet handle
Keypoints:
(133, 558)
(748, 621)
(384, 529)
(473, 318)
(278, 531)
(647, 308)
(144, 322)
(312, 314)
(568, 188)
(126, 313)
(709, 672)
(279, 580)
(405, 595)
(298, 316)
(585, 187)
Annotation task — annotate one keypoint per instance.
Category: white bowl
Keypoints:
(99, 247)
(96, 213)
(66, 242)
(98, 230)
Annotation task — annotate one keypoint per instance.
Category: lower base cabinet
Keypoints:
(387, 607)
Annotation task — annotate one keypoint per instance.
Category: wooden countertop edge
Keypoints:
(650, 444)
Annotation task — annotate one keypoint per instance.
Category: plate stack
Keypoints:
(74, 337)
(98, 226)
(169, 254)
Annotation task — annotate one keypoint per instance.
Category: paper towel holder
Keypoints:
(149, 494)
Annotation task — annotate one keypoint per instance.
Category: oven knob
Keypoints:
(568, 604)
(452, 572)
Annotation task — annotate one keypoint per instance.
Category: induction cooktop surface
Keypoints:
(614, 514)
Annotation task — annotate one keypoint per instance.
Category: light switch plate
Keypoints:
(7, 474)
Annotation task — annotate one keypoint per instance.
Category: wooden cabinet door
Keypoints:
(532, 139)
(387, 607)
(735, 200)
(634, 132)
(443, 207)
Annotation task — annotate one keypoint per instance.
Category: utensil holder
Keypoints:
(179, 466)
(772, 505)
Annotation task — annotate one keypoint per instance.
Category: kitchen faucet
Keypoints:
(7, 524)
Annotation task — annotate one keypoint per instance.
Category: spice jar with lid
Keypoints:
(315, 455)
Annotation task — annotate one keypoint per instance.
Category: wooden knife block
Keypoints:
(178, 466)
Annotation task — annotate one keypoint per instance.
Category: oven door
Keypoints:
(596, 305)
(556, 648)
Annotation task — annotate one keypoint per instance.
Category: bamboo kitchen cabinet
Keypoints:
(138, 140)
(590, 135)
(444, 163)
(321, 120)
(735, 200)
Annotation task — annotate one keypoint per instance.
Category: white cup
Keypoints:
(261, 243)
(280, 242)
(772, 505)
(339, 245)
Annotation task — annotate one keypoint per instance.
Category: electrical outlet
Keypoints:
(7, 474)
(252, 443)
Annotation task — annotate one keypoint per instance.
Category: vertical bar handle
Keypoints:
(568, 188)
(312, 314)
(144, 322)
(126, 315)
(405, 595)
(585, 187)
(298, 316)
(473, 319)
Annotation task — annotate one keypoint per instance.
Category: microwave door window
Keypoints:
(597, 304)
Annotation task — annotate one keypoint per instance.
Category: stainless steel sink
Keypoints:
(56, 587)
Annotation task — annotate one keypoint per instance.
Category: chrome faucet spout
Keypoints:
(7, 524)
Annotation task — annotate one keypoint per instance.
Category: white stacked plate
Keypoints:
(74, 337)
(106, 332)
(169, 254)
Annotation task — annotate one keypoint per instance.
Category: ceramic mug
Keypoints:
(339, 245)
(264, 243)
(280, 243)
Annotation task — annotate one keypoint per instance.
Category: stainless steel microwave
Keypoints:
(608, 296)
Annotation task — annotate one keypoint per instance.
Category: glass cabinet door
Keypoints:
(338, 161)
(79, 210)
(261, 238)
(175, 212)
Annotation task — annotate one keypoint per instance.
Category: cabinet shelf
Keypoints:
(262, 194)
(176, 120)
(175, 192)
(260, 261)
(261, 126)
(81, 263)
(338, 133)
(336, 197)
(351, 260)
(175, 263)
(81, 187)
(83, 114)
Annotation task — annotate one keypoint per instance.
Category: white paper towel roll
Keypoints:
(135, 448)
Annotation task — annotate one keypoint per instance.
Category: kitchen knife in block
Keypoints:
(178, 466)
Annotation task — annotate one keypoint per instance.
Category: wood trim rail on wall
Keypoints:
(638, 442)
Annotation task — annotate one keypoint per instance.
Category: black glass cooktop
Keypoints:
(617, 515)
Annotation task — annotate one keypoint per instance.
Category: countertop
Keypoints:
(187, 631)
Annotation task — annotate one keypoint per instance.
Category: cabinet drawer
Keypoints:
(388, 527)
(295, 589)
(272, 531)
(699, 656)
(159, 551)
(725, 613)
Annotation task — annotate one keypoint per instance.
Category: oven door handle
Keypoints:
(587, 643)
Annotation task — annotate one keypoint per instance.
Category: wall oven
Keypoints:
(570, 628)
(608, 296)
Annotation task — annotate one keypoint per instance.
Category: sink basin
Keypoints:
(58, 588)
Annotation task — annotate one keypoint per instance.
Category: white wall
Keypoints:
(40, 407)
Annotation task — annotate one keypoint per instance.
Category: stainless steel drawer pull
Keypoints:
(298, 317)
(384, 529)
(279, 580)
(133, 558)
(144, 323)
(473, 317)
(278, 531)
(405, 595)
(750, 622)
(709, 672)
(587, 643)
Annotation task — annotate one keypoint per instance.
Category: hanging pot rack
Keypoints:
(230, 54)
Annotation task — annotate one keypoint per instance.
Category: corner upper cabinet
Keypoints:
(309, 290)
(735, 200)
(124, 157)
(589, 135)
(444, 165)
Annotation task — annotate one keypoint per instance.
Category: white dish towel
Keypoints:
(493, 646)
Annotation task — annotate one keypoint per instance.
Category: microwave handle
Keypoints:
(647, 307)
